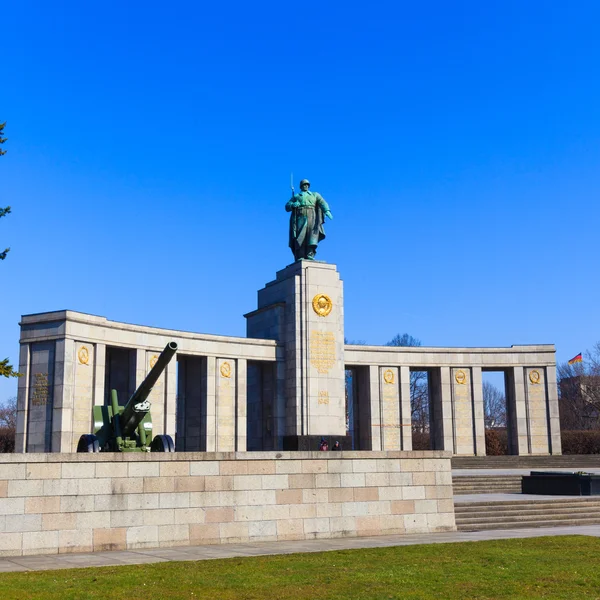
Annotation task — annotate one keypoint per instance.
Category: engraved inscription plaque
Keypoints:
(322, 350)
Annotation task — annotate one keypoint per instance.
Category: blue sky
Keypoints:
(458, 145)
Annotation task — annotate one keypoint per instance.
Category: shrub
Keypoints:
(7, 439)
(496, 442)
(420, 440)
(580, 442)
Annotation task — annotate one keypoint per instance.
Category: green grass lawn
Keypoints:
(549, 567)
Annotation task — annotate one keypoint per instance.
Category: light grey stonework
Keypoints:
(286, 378)
(313, 343)
(66, 503)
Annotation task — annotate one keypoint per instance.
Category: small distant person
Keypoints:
(323, 446)
(337, 446)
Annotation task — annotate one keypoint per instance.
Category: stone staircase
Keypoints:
(486, 484)
(519, 514)
(565, 461)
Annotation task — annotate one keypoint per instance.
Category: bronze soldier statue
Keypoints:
(309, 210)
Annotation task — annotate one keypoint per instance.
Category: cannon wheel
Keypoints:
(88, 443)
(162, 443)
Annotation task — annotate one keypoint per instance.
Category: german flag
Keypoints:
(576, 359)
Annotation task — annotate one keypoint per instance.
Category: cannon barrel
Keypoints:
(138, 406)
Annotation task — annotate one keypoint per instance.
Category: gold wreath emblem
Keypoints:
(225, 369)
(153, 360)
(388, 376)
(534, 376)
(83, 355)
(460, 377)
(322, 304)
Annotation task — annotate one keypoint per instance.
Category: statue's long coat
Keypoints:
(306, 222)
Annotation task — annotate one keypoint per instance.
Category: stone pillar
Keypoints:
(241, 405)
(304, 309)
(209, 418)
(280, 418)
(391, 438)
(537, 411)
(170, 420)
(517, 412)
(225, 419)
(157, 397)
(62, 409)
(373, 388)
(99, 374)
(553, 416)
(405, 409)
(478, 411)
(462, 405)
(140, 370)
(22, 396)
(85, 357)
(440, 395)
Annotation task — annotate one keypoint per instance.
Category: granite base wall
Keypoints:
(59, 503)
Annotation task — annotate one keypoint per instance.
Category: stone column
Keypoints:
(517, 412)
(140, 370)
(554, 419)
(85, 356)
(62, 410)
(373, 387)
(405, 409)
(461, 386)
(537, 411)
(209, 424)
(22, 396)
(170, 421)
(280, 415)
(391, 438)
(440, 398)
(225, 405)
(478, 411)
(304, 309)
(241, 405)
(99, 374)
(41, 396)
(157, 397)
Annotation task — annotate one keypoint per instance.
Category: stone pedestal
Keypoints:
(303, 309)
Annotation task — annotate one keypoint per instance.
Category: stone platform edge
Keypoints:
(59, 457)
(65, 503)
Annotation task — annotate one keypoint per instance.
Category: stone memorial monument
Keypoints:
(284, 386)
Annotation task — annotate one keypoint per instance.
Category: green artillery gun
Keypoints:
(129, 428)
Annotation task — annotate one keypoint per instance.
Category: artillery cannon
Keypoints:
(129, 428)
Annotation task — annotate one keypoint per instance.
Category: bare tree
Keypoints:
(419, 392)
(8, 425)
(579, 392)
(494, 406)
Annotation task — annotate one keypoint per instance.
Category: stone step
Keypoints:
(498, 490)
(566, 510)
(546, 503)
(527, 524)
(517, 518)
(525, 462)
(518, 514)
(484, 478)
(486, 484)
